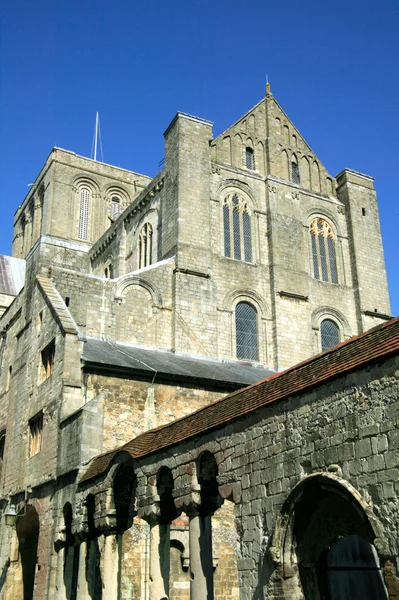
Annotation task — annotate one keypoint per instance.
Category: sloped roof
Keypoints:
(162, 363)
(12, 275)
(376, 344)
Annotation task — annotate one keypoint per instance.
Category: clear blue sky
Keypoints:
(332, 67)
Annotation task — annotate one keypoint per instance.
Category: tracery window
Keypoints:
(323, 251)
(295, 177)
(145, 246)
(84, 201)
(246, 331)
(249, 158)
(237, 228)
(329, 334)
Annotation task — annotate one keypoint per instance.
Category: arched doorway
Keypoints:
(28, 537)
(327, 538)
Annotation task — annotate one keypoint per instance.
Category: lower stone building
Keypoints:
(285, 489)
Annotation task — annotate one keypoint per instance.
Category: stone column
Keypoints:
(59, 584)
(201, 566)
(159, 560)
(83, 591)
(109, 567)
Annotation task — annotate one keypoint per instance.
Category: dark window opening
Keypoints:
(295, 172)
(363, 212)
(67, 301)
(249, 158)
(35, 434)
(47, 361)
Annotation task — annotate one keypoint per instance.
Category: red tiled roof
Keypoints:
(375, 344)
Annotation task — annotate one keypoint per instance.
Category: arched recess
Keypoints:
(327, 312)
(315, 177)
(28, 528)
(321, 511)
(285, 167)
(124, 489)
(305, 172)
(245, 295)
(237, 151)
(260, 158)
(135, 280)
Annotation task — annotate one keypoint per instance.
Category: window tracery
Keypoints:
(237, 228)
(323, 251)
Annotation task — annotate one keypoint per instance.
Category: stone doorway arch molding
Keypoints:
(285, 551)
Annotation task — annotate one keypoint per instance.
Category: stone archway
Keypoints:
(28, 528)
(327, 539)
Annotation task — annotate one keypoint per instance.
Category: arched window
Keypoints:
(145, 246)
(246, 332)
(237, 229)
(84, 201)
(249, 158)
(295, 178)
(329, 334)
(323, 251)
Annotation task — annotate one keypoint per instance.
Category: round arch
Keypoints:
(135, 280)
(28, 528)
(244, 295)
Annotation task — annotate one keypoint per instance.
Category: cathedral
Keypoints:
(131, 307)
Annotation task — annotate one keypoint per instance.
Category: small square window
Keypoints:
(35, 434)
(47, 356)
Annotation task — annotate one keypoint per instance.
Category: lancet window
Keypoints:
(237, 228)
(323, 251)
(249, 159)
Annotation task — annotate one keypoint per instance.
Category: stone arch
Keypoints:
(286, 130)
(237, 150)
(84, 181)
(328, 216)
(245, 295)
(135, 280)
(285, 167)
(251, 123)
(327, 312)
(28, 529)
(165, 486)
(320, 510)
(316, 183)
(260, 157)
(330, 186)
(124, 489)
(229, 186)
(227, 149)
(305, 172)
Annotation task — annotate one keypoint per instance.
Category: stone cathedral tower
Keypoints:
(145, 299)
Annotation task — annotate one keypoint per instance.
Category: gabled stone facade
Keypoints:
(242, 257)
